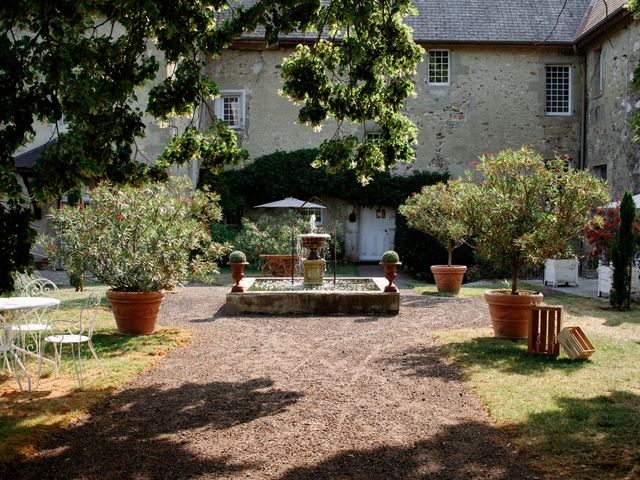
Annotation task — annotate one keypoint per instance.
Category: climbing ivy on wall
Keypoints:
(634, 7)
(289, 174)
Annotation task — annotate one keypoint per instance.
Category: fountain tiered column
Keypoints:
(313, 265)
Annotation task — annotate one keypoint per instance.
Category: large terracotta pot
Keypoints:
(510, 313)
(448, 277)
(135, 312)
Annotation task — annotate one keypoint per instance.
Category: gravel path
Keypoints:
(345, 397)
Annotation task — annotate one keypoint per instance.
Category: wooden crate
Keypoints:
(545, 324)
(575, 343)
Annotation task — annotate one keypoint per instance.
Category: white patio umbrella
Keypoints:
(289, 202)
(636, 200)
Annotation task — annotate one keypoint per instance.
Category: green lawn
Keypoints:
(25, 422)
(580, 419)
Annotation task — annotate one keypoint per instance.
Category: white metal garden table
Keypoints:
(28, 305)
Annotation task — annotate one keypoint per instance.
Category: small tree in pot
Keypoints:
(440, 210)
(527, 209)
(140, 241)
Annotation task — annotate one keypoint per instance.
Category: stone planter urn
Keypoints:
(237, 261)
(390, 262)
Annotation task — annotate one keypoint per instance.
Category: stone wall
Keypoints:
(495, 100)
(610, 106)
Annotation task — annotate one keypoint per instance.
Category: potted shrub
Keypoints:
(439, 210)
(390, 261)
(237, 260)
(527, 209)
(140, 241)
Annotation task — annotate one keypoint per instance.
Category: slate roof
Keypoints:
(486, 21)
(598, 13)
(28, 159)
(499, 21)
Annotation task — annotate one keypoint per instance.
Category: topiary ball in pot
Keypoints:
(237, 260)
(390, 261)
(237, 257)
(390, 257)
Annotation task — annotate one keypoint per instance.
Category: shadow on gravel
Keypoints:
(467, 450)
(149, 432)
(427, 362)
(221, 312)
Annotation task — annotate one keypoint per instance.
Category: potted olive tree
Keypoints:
(440, 210)
(140, 241)
(527, 209)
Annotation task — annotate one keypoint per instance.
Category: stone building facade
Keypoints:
(494, 98)
(610, 45)
(552, 74)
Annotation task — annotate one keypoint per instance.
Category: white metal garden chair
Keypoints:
(34, 323)
(74, 333)
(8, 351)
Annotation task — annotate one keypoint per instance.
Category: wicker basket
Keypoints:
(575, 343)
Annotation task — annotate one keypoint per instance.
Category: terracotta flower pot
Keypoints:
(135, 312)
(448, 277)
(390, 274)
(237, 273)
(510, 313)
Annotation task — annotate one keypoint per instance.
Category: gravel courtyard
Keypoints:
(292, 397)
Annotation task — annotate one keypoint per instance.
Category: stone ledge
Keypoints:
(313, 301)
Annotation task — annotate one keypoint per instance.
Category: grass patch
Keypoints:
(580, 420)
(475, 291)
(57, 402)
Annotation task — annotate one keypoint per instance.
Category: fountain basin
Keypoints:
(314, 242)
(259, 297)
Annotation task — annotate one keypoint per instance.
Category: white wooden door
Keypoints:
(377, 229)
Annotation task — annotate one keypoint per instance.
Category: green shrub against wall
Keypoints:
(289, 174)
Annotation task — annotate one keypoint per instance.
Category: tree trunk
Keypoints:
(450, 252)
(515, 266)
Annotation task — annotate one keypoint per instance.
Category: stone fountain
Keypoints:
(313, 265)
(313, 296)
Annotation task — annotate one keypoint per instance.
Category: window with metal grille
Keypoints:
(374, 136)
(600, 171)
(307, 212)
(231, 110)
(558, 95)
(229, 106)
(438, 67)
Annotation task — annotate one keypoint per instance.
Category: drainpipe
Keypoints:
(584, 106)
(583, 126)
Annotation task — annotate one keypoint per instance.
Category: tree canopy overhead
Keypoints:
(85, 61)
